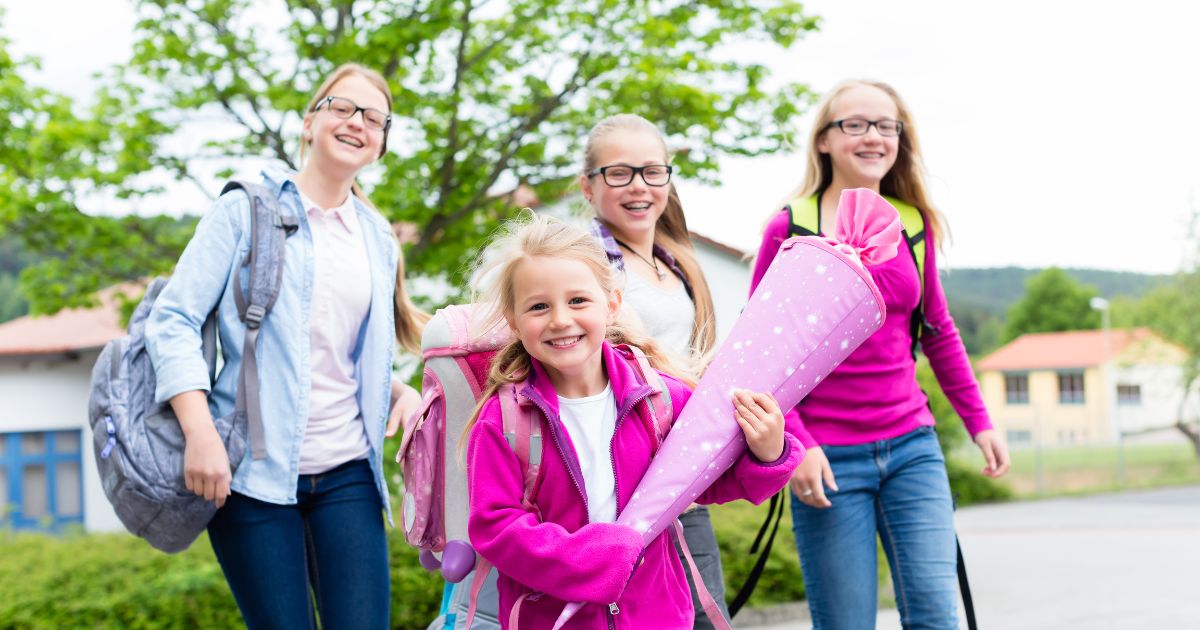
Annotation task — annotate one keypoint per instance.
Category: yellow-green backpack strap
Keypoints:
(914, 231)
(804, 216)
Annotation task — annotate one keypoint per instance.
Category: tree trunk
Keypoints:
(1192, 433)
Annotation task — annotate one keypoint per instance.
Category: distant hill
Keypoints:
(995, 289)
(980, 298)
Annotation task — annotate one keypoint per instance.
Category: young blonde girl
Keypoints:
(874, 467)
(303, 524)
(555, 289)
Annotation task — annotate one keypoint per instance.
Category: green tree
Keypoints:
(1053, 302)
(56, 158)
(1171, 310)
(487, 96)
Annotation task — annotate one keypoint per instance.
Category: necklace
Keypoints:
(653, 262)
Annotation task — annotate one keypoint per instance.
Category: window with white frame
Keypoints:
(1129, 395)
(1016, 389)
(1070, 388)
(41, 479)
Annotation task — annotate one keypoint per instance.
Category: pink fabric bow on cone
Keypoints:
(816, 304)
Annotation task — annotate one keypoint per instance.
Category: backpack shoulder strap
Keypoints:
(659, 402)
(804, 215)
(913, 221)
(523, 432)
(269, 230)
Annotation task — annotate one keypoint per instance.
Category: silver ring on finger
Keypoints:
(807, 493)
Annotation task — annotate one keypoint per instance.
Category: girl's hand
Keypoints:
(205, 462)
(806, 481)
(206, 465)
(405, 401)
(995, 452)
(762, 423)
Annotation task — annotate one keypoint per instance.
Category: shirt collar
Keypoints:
(616, 257)
(344, 213)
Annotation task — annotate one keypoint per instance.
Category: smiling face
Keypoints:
(860, 161)
(632, 211)
(560, 312)
(344, 145)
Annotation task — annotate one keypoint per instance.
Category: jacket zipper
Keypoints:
(613, 608)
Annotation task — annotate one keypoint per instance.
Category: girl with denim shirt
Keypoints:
(555, 289)
(874, 467)
(309, 516)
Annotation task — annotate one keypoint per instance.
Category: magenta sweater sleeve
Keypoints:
(947, 355)
(774, 235)
(591, 564)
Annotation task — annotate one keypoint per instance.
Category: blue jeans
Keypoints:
(330, 547)
(896, 489)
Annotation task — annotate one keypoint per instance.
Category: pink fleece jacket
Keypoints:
(558, 553)
(874, 395)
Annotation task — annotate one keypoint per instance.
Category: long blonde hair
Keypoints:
(522, 239)
(409, 320)
(904, 181)
(670, 232)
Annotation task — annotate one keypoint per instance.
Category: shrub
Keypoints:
(117, 581)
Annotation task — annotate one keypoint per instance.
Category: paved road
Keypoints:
(1119, 561)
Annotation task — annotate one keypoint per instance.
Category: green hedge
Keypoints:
(118, 581)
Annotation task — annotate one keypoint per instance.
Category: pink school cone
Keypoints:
(815, 305)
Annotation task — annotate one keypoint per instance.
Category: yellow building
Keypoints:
(1064, 388)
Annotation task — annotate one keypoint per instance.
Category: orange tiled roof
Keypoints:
(1073, 349)
(69, 330)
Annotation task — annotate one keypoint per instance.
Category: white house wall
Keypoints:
(51, 395)
(1161, 396)
(729, 281)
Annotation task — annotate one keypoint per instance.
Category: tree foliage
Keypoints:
(1053, 301)
(56, 159)
(1171, 310)
(488, 94)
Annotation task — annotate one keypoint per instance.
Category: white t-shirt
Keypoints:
(666, 315)
(590, 422)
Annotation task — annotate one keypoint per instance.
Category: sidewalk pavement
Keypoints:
(1114, 561)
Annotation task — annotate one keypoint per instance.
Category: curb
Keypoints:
(792, 612)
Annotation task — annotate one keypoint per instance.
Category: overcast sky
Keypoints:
(1064, 133)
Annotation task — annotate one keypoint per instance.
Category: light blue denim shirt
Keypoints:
(203, 279)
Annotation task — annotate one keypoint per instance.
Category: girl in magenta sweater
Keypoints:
(554, 287)
(873, 464)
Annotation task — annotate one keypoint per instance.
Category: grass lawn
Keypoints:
(1099, 468)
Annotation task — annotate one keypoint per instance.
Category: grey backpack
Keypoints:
(139, 443)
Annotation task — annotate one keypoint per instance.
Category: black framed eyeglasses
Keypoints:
(618, 175)
(346, 108)
(860, 126)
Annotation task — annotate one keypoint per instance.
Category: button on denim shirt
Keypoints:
(203, 279)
